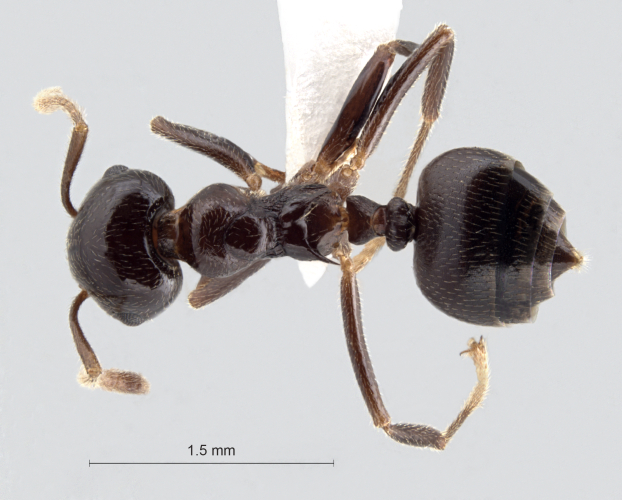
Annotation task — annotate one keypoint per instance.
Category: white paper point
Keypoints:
(326, 44)
(312, 271)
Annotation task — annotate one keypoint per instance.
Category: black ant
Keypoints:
(490, 239)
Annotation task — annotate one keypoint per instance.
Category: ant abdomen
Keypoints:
(111, 250)
(489, 239)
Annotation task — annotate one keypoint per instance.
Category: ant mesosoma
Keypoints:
(490, 239)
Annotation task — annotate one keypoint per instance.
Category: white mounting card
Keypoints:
(326, 44)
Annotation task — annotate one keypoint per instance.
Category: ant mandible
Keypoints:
(489, 237)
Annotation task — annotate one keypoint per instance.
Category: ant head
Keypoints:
(111, 250)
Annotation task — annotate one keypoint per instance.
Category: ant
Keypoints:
(490, 239)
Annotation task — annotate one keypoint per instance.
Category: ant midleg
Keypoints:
(221, 150)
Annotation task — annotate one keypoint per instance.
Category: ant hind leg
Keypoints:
(410, 434)
(436, 53)
(358, 106)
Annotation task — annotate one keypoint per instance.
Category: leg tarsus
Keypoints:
(421, 436)
(114, 380)
(428, 437)
(479, 354)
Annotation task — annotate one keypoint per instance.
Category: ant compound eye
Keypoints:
(111, 250)
(489, 239)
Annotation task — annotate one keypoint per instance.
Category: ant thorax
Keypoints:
(224, 229)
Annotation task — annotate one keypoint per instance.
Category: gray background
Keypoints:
(266, 369)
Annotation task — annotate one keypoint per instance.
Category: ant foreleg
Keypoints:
(48, 101)
(410, 434)
(219, 149)
(92, 374)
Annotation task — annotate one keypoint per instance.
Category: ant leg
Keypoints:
(433, 93)
(48, 101)
(271, 174)
(218, 149)
(359, 356)
(364, 257)
(91, 374)
(411, 434)
(436, 52)
(358, 105)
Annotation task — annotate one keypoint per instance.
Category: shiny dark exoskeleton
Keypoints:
(111, 251)
(489, 239)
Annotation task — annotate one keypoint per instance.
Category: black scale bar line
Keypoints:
(212, 463)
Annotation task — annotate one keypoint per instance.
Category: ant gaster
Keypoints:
(489, 238)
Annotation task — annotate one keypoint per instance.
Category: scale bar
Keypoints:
(212, 463)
